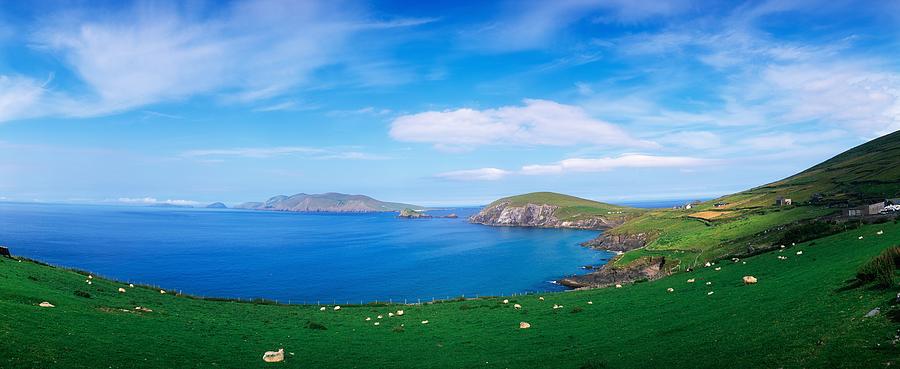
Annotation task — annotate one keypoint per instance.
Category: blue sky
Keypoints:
(436, 103)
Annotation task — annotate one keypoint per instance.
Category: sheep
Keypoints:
(399, 312)
(368, 319)
(707, 264)
(541, 298)
(708, 283)
(90, 276)
(162, 292)
(424, 322)
(88, 281)
(505, 301)
(380, 317)
(274, 356)
(517, 306)
(710, 293)
(879, 233)
(390, 315)
(377, 323)
(718, 268)
(618, 285)
(799, 252)
(749, 279)
(322, 308)
(336, 308)
(143, 309)
(860, 237)
(690, 280)
(670, 289)
(46, 304)
(131, 285)
(121, 290)
(555, 306)
(590, 302)
(524, 325)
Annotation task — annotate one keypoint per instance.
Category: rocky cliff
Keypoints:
(648, 268)
(618, 242)
(537, 215)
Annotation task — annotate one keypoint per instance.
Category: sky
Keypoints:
(436, 103)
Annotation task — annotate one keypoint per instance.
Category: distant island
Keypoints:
(331, 202)
(553, 210)
(216, 205)
(421, 214)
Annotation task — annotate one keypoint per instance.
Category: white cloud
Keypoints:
(482, 174)
(538, 122)
(149, 53)
(701, 140)
(215, 155)
(610, 163)
(154, 201)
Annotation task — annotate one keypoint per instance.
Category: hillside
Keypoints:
(327, 202)
(801, 314)
(749, 221)
(552, 210)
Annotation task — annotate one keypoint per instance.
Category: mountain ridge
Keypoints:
(327, 202)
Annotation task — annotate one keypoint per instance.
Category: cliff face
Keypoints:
(618, 242)
(535, 215)
(646, 268)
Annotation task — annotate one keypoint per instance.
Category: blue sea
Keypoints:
(297, 257)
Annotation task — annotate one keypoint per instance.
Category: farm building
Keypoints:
(720, 204)
(872, 209)
(781, 201)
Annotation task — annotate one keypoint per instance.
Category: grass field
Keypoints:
(799, 315)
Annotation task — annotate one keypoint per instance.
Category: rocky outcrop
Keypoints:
(648, 268)
(618, 242)
(535, 215)
(412, 214)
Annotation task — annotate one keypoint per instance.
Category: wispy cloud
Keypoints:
(622, 161)
(217, 155)
(482, 174)
(537, 122)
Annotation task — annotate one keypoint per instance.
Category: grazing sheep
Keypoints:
(670, 289)
(707, 264)
(710, 293)
(424, 322)
(322, 308)
(121, 290)
(799, 252)
(744, 262)
(131, 285)
(380, 316)
(368, 319)
(718, 268)
(690, 280)
(505, 301)
(793, 244)
(274, 356)
(336, 308)
(90, 276)
(618, 285)
(46, 304)
(399, 312)
(782, 246)
(860, 237)
(749, 279)
(541, 298)
(879, 233)
(377, 323)
(517, 306)
(143, 309)
(524, 325)
(590, 302)
(88, 281)
(708, 283)
(390, 315)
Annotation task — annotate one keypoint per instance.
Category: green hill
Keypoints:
(553, 210)
(801, 313)
(748, 221)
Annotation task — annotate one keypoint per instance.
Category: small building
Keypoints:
(720, 204)
(688, 206)
(875, 208)
(853, 212)
(782, 201)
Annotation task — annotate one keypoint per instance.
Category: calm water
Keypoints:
(293, 256)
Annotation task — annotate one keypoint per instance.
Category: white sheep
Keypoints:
(718, 268)
(46, 304)
(162, 292)
(368, 319)
(590, 302)
(800, 252)
(380, 317)
(377, 323)
(860, 237)
(274, 356)
(710, 293)
(424, 322)
(322, 308)
(749, 279)
(336, 308)
(131, 285)
(505, 301)
(879, 233)
(541, 298)
(618, 285)
(390, 315)
(690, 280)
(90, 276)
(707, 264)
(517, 306)
(670, 289)
(399, 312)
(121, 290)
(524, 325)
(708, 283)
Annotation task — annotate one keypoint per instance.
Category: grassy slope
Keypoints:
(795, 317)
(868, 171)
(570, 207)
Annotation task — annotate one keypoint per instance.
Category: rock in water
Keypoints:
(274, 356)
(873, 312)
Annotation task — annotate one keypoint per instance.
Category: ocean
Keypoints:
(297, 257)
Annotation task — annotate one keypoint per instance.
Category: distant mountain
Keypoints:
(326, 202)
(216, 205)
